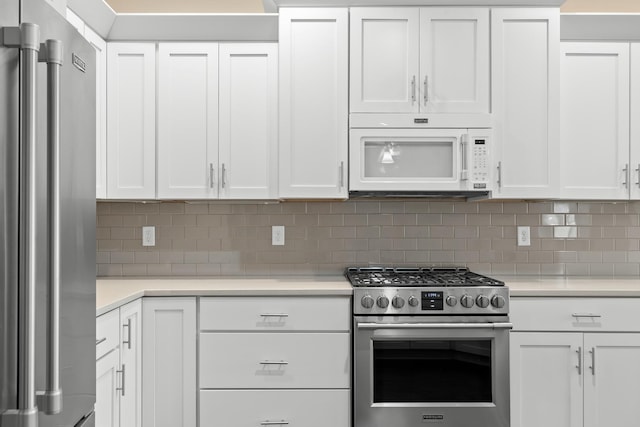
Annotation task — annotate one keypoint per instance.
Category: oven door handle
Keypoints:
(435, 326)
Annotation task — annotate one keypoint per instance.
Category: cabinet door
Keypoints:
(131, 120)
(635, 121)
(612, 380)
(525, 84)
(595, 121)
(454, 60)
(313, 102)
(188, 120)
(546, 379)
(131, 360)
(384, 60)
(101, 111)
(108, 379)
(169, 362)
(248, 121)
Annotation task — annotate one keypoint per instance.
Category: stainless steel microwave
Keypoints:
(430, 161)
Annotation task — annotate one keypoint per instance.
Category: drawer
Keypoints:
(107, 332)
(575, 314)
(274, 360)
(294, 408)
(275, 314)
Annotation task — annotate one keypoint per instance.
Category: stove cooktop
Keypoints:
(417, 277)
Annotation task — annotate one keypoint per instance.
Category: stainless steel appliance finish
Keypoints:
(47, 219)
(430, 346)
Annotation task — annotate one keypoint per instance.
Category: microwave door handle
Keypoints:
(50, 400)
(464, 143)
(26, 39)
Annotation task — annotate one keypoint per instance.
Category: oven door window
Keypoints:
(419, 371)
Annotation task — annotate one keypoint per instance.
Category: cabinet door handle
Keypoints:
(579, 365)
(593, 361)
(128, 340)
(122, 378)
(341, 174)
(100, 341)
(499, 182)
(413, 90)
(426, 90)
(224, 176)
(274, 362)
(625, 170)
(638, 170)
(211, 181)
(274, 423)
(274, 315)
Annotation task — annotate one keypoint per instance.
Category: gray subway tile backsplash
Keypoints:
(218, 238)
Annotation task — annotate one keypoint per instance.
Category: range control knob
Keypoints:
(413, 301)
(383, 302)
(367, 301)
(482, 301)
(466, 301)
(452, 301)
(397, 302)
(498, 301)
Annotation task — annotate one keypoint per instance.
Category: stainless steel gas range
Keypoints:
(431, 345)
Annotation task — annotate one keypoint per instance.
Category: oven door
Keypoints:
(449, 374)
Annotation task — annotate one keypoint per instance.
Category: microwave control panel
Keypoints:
(479, 160)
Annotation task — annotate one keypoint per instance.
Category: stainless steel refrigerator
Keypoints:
(47, 219)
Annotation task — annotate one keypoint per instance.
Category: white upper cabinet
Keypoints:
(525, 46)
(217, 129)
(635, 121)
(595, 121)
(412, 60)
(313, 102)
(248, 147)
(385, 59)
(187, 120)
(131, 124)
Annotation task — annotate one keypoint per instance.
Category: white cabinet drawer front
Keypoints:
(575, 314)
(275, 314)
(257, 408)
(259, 360)
(107, 333)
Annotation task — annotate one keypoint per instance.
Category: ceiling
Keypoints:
(256, 6)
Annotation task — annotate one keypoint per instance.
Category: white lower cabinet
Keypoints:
(583, 372)
(295, 408)
(280, 367)
(118, 367)
(169, 361)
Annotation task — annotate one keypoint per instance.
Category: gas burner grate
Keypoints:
(413, 277)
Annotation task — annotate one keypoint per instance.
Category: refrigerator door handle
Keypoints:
(50, 400)
(27, 39)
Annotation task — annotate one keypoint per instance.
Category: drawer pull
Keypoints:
(589, 315)
(274, 423)
(100, 341)
(274, 315)
(274, 362)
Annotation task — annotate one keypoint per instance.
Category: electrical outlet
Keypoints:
(277, 235)
(524, 236)
(149, 236)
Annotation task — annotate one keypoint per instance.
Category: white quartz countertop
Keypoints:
(557, 286)
(114, 292)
